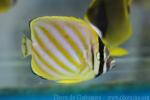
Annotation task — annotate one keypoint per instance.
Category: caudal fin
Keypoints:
(26, 46)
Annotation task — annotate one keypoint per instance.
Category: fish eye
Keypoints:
(98, 56)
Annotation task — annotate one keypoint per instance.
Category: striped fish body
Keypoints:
(66, 50)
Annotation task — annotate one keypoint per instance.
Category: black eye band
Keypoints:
(92, 58)
(101, 51)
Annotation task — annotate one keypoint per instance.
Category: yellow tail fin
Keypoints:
(26, 46)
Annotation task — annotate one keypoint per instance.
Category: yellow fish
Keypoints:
(6, 4)
(66, 50)
(112, 19)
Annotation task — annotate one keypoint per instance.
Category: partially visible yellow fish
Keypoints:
(66, 50)
(6, 4)
(112, 19)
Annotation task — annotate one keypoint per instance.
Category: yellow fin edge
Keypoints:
(69, 81)
(116, 51)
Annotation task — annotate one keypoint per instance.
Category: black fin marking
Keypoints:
(97, 15)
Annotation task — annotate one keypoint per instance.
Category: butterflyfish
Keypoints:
(5, 5)
(66, 50)
(113, 20)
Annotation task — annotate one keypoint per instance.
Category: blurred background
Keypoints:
(16, 77)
